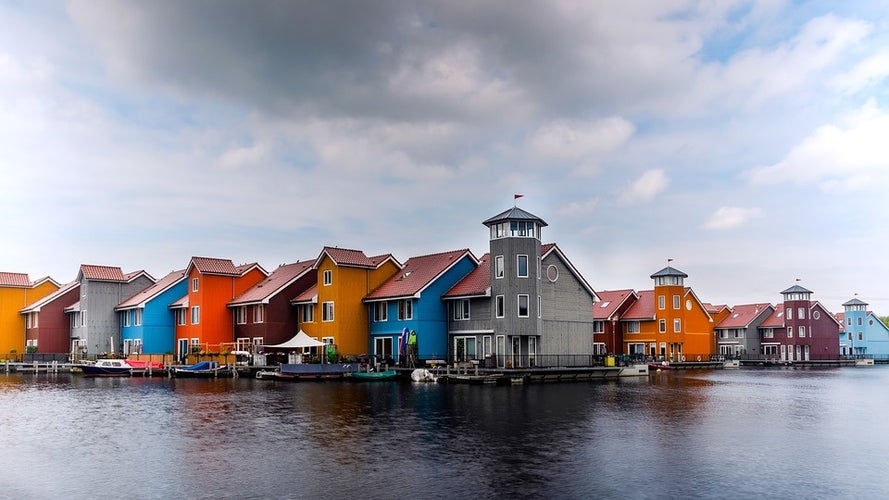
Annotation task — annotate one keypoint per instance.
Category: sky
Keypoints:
(748, 141)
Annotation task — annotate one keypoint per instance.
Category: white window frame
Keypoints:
(194, 284)
(181, 316)
(661, 302)
(327, 277)
(499, 268)
(258, 313)
(126, 318)
(677, 302)
(381, 311)
(500, 306)
(405, 310)
(195, 315)
(137, 320)
(327, 311)
(800, 313)
(241, 315)
(461, 310)
(539, 307)
(662, 326)
(633, 326)
(790, 332)
(677, 325)
(518, 266)
(307, 313)
(598, 326)
(519, 298)
(802, 332)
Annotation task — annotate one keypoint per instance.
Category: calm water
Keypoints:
(740, 434)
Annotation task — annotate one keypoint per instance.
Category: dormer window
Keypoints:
(194, 284)
(328, 277)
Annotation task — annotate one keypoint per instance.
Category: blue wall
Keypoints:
(157, 330)
(874, 340)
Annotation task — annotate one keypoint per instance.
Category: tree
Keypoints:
(885, 320)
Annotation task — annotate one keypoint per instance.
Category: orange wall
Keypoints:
(12, 324)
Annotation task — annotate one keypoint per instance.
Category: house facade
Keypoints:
(147, 322)
(607, 333)
(48, 328)
(333, 310)
(204, 322)
(95, 325)
(411, 300)
(531, 308)
(16, 292)
(862, 333)
(263, 314)
(800, 329)
(738, 333)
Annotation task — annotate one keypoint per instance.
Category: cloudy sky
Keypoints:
(747, 141)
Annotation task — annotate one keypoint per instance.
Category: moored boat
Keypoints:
(107, 368)
(202, 369)
(374, 375)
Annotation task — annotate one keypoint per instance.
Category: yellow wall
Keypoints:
(12, 324)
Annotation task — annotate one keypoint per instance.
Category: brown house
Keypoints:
(48, 325)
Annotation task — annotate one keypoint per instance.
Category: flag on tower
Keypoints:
(517, 196)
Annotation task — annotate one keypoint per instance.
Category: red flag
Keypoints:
(517, 196)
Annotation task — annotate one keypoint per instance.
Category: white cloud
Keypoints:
(646, 187)
(730, 217)
(838, 158)
(868, 72)
(572, 139)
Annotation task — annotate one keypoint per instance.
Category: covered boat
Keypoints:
(107, 368)
(201, 369)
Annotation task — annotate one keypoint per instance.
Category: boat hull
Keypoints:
(373, 376)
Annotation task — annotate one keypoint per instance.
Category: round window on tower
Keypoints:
(552, 273)
(688, 304)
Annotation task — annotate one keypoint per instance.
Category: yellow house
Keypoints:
(16, 293)
(333, 311)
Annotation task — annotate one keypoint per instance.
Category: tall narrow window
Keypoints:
(241, 315)
(327, 311)
(194, 284)
(675, 302)
(498, 266)
(461, 309)
(500, 306)
(138, 319)
(258, 313)
(677, 325)
(195, 315)
(328, 277)
(662, 326)
(661, 302)
(405, 309)
(381, 311)
(523, 305)
(522, 266)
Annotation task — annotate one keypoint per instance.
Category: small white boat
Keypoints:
(864, 362)
(107, 368)
(422, 375)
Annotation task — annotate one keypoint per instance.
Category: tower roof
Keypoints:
(796, 289)
(669, 271)
(514, 213)
(855, 302)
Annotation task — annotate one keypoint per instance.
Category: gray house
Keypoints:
(525, 304)
(738, 333)
(95, 326)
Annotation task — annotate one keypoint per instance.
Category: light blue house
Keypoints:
(411, 300)
(146, 321)
(863, 333)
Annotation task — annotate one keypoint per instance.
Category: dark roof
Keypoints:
(669, 271)
(280, 278)
(796, 289)
(855, 302)
(514, 213)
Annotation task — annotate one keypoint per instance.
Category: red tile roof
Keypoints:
(152, 291)
(102, 273)
(776, 319)
(476, 282)
(642, 309)
(210, 265)
(18, 280)
(135, 274)
(310, 295)
(280, 278)
(742, 315)
(610, 301)
(347, 257)
(417, 274)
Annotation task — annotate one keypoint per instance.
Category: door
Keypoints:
(500, 351)
(532, 351)
(183, 349)
(783, 352)
(516, 352)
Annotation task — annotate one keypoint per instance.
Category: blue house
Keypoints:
(146, 320)
(411, 300)
(863, 334)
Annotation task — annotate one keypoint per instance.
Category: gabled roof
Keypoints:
(17, 280)
(552, 248)
(796, 289)
(353, 258)
(776, 319)
(743, 315)
(274, 283)
(73, 307)
(210, 265)
(475, 284)
(514, 213)
(643, 308)
(610, 302)
(417, 274)
(309, 296)
(152, 291)
(669, 271)
(44, 279)
(128, 277)
(713, 308)
(35, 307)
(93, 272)
(180, 303)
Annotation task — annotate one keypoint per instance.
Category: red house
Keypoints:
(47, 323)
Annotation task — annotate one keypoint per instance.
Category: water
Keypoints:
(743, 433)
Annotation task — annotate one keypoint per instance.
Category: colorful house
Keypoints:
(333, 311)
(147, 323)
(738, 333)
(862, 333)
(263, 314)
(18, 291)
(670, 321)
(48, 328)
(204, 323)
(799, 329)
(525, 305)
(607, 332)
(411, 301)
(95, 325)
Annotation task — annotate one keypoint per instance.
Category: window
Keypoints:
(539, 307)
(677, 325)
(241, 315)
(383, 347)
(739, 333)
(500, 306)
(138, 319)
(816, 315)
(662, 326)
(801, 313)
(598, 326)
(661, 302)
(126, 318)
(486, 346)
(768, 333)
(381, 311)
(789, 313)
(859, 321)
(632, 327)
(523, 305)
(195, 342)
(676, 302)
(405, 309)
(195, 315)
(327, 311)
(538, 267)
(328, 277)
(180, 316)
(860, 336)
(498, 266)
(802, 332)
(307, 313)
(258, 313)
(194, 284)
(461, 309)
(789, 332)
(849, 321)
(522, 266)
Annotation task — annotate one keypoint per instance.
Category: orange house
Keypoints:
(16, 293)
(669, 323)
(203, 320)
(332, 311)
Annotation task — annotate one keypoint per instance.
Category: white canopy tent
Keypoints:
(298, 340)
